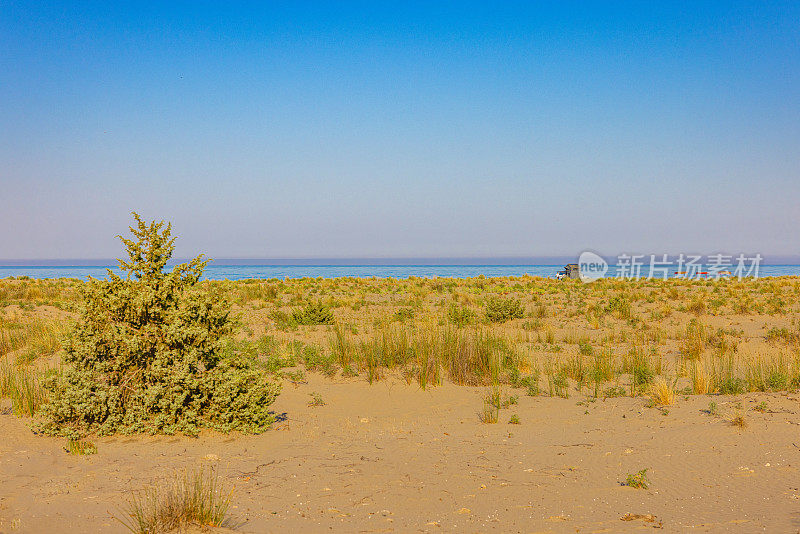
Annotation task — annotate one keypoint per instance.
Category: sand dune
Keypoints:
(392, 458)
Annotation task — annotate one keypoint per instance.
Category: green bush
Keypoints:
(460, 316)
(146, 354)
(313, 313)
(500, 310)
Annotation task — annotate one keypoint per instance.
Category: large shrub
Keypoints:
(146, 353)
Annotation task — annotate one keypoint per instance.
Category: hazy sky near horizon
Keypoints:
(289, 129)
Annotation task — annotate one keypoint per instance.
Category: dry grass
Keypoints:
(195, 497)
(702, 383)
(738, 421)
(31, 338)
(22, 384)
(662, 393)
(624, 336)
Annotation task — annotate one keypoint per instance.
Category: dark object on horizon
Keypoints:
(571, 270)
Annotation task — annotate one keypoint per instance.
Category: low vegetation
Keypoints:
(229, 343)
(193, 498)
(638, 480)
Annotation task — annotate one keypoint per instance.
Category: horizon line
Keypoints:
(768, 259)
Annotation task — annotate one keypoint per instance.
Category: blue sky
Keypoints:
(401, 129)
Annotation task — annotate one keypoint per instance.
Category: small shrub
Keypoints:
(316, 360)
(313, 313)
(638, 480)
(697, 306)
(738, 421)
(460, 317)
(283, 321)
(500, 310)
(514, 420)
(316, 399)
(621, 306)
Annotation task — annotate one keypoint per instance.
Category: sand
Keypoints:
(390, 457)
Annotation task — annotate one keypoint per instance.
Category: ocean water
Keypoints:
(241, 272)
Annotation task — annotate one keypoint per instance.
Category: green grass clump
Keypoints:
(317, 360)
(782, 334)
(490, 413)
(23, 385)
(425, 353)
(283, 321)
(80, 447)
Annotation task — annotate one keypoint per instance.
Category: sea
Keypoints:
(282, 272)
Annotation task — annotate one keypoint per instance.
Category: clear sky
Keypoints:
(397, 129)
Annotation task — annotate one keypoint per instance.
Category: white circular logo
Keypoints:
(591, 266)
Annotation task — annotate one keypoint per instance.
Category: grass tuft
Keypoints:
(661, 392)
(195, 497)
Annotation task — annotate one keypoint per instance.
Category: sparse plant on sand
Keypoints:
(316, 399)
(638, 480)
(738, 420)
(661, 392)
(146, 354)
(193, 498)
(80, 447)
(490, 413)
